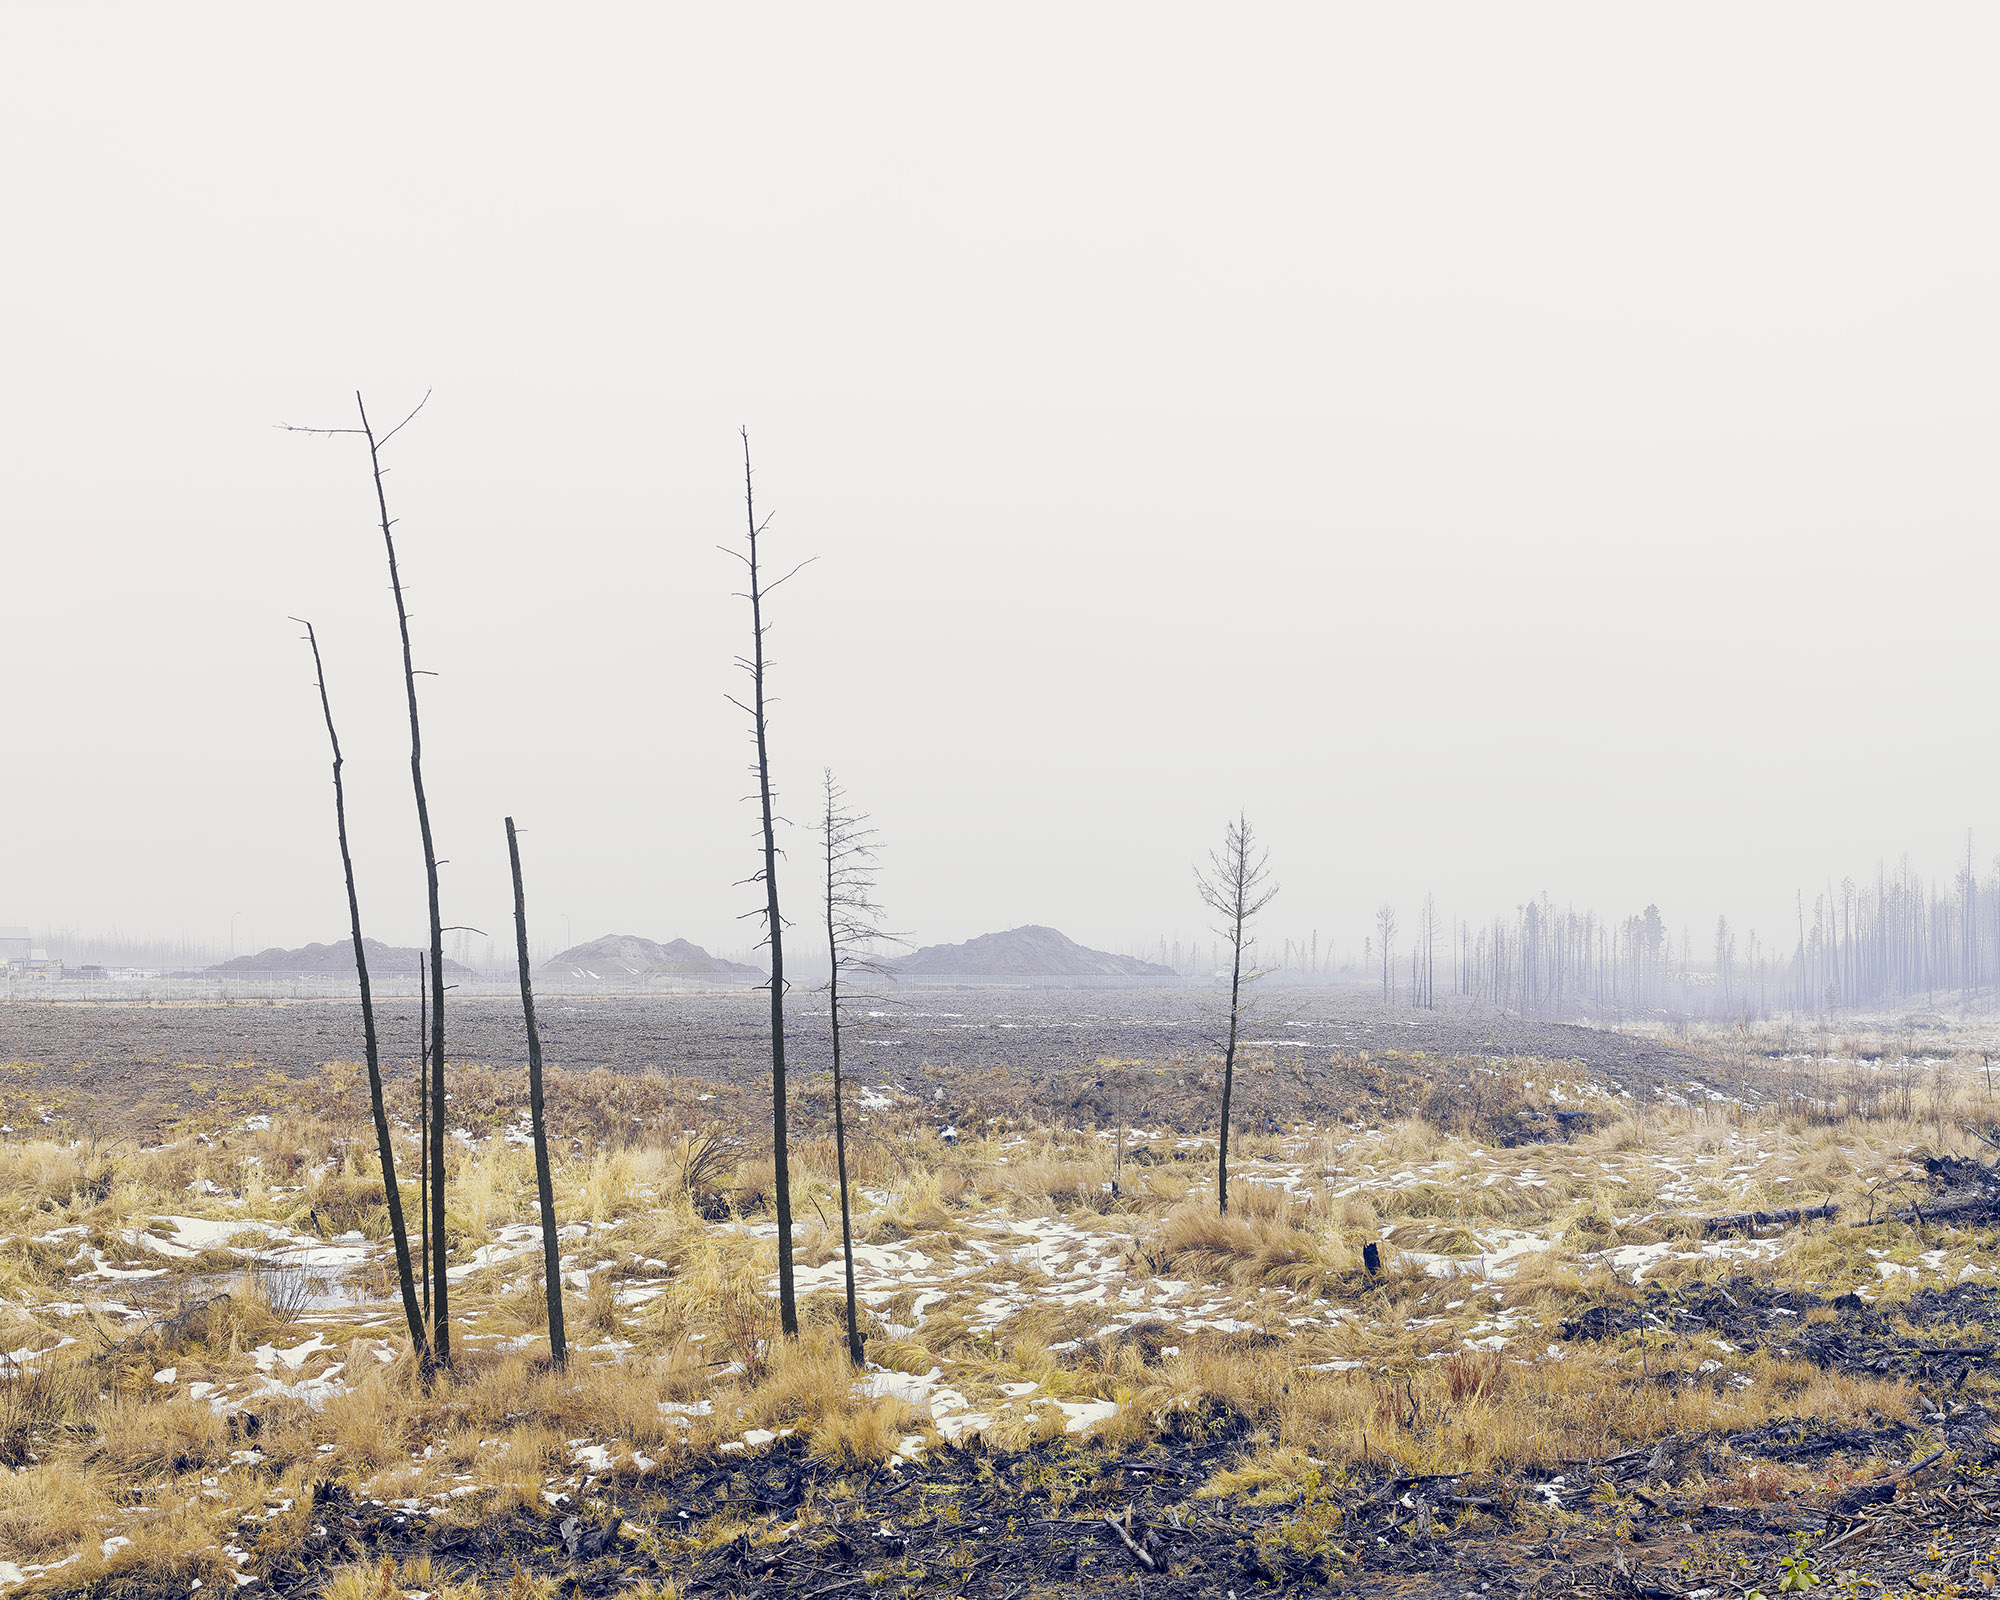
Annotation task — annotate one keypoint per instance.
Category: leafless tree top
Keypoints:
(1235, 883)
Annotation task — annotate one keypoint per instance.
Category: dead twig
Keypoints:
(1865, 1525)
(1129, 1542)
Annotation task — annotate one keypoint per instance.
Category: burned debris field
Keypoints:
(1484, 1322)
(916, 1039)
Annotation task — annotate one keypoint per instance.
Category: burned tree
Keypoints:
(440, 1285)
(755, 666)
(1233, 887)
(384, 1145)
(1385, 928)
(853, 925)
(544, 1184)
(424, 1121)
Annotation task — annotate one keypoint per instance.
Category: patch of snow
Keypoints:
(1086, 1414)
(268, 1356)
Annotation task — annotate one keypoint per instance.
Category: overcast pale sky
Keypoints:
(1502, 448)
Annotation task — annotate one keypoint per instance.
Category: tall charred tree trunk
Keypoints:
(384, 1145)
(440, 1285)
(544, 1184)
(434, 1143)
(754, 665)
(424, 1124)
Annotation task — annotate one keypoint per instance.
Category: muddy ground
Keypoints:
(920, 1041)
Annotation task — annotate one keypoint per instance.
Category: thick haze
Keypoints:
(1503, 449)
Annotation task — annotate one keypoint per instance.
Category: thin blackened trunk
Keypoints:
(424, 1123)
(788, 1312)
(1229, 1050)
(544, 1185)
(384, 1146)
(440, 1287)
(839, 1111)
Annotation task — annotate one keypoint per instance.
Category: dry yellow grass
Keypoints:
(1039, 1290)
(1264, 1239)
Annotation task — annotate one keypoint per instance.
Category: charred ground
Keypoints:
(1063, 1047)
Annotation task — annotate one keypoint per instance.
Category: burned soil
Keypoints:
(1075, 1519)
(1937, 1337)
(1054, 1043)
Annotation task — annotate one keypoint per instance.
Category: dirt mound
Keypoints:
(327, 960)
(1029, 952)
(627, 958)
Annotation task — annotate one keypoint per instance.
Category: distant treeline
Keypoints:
(1898, 941)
